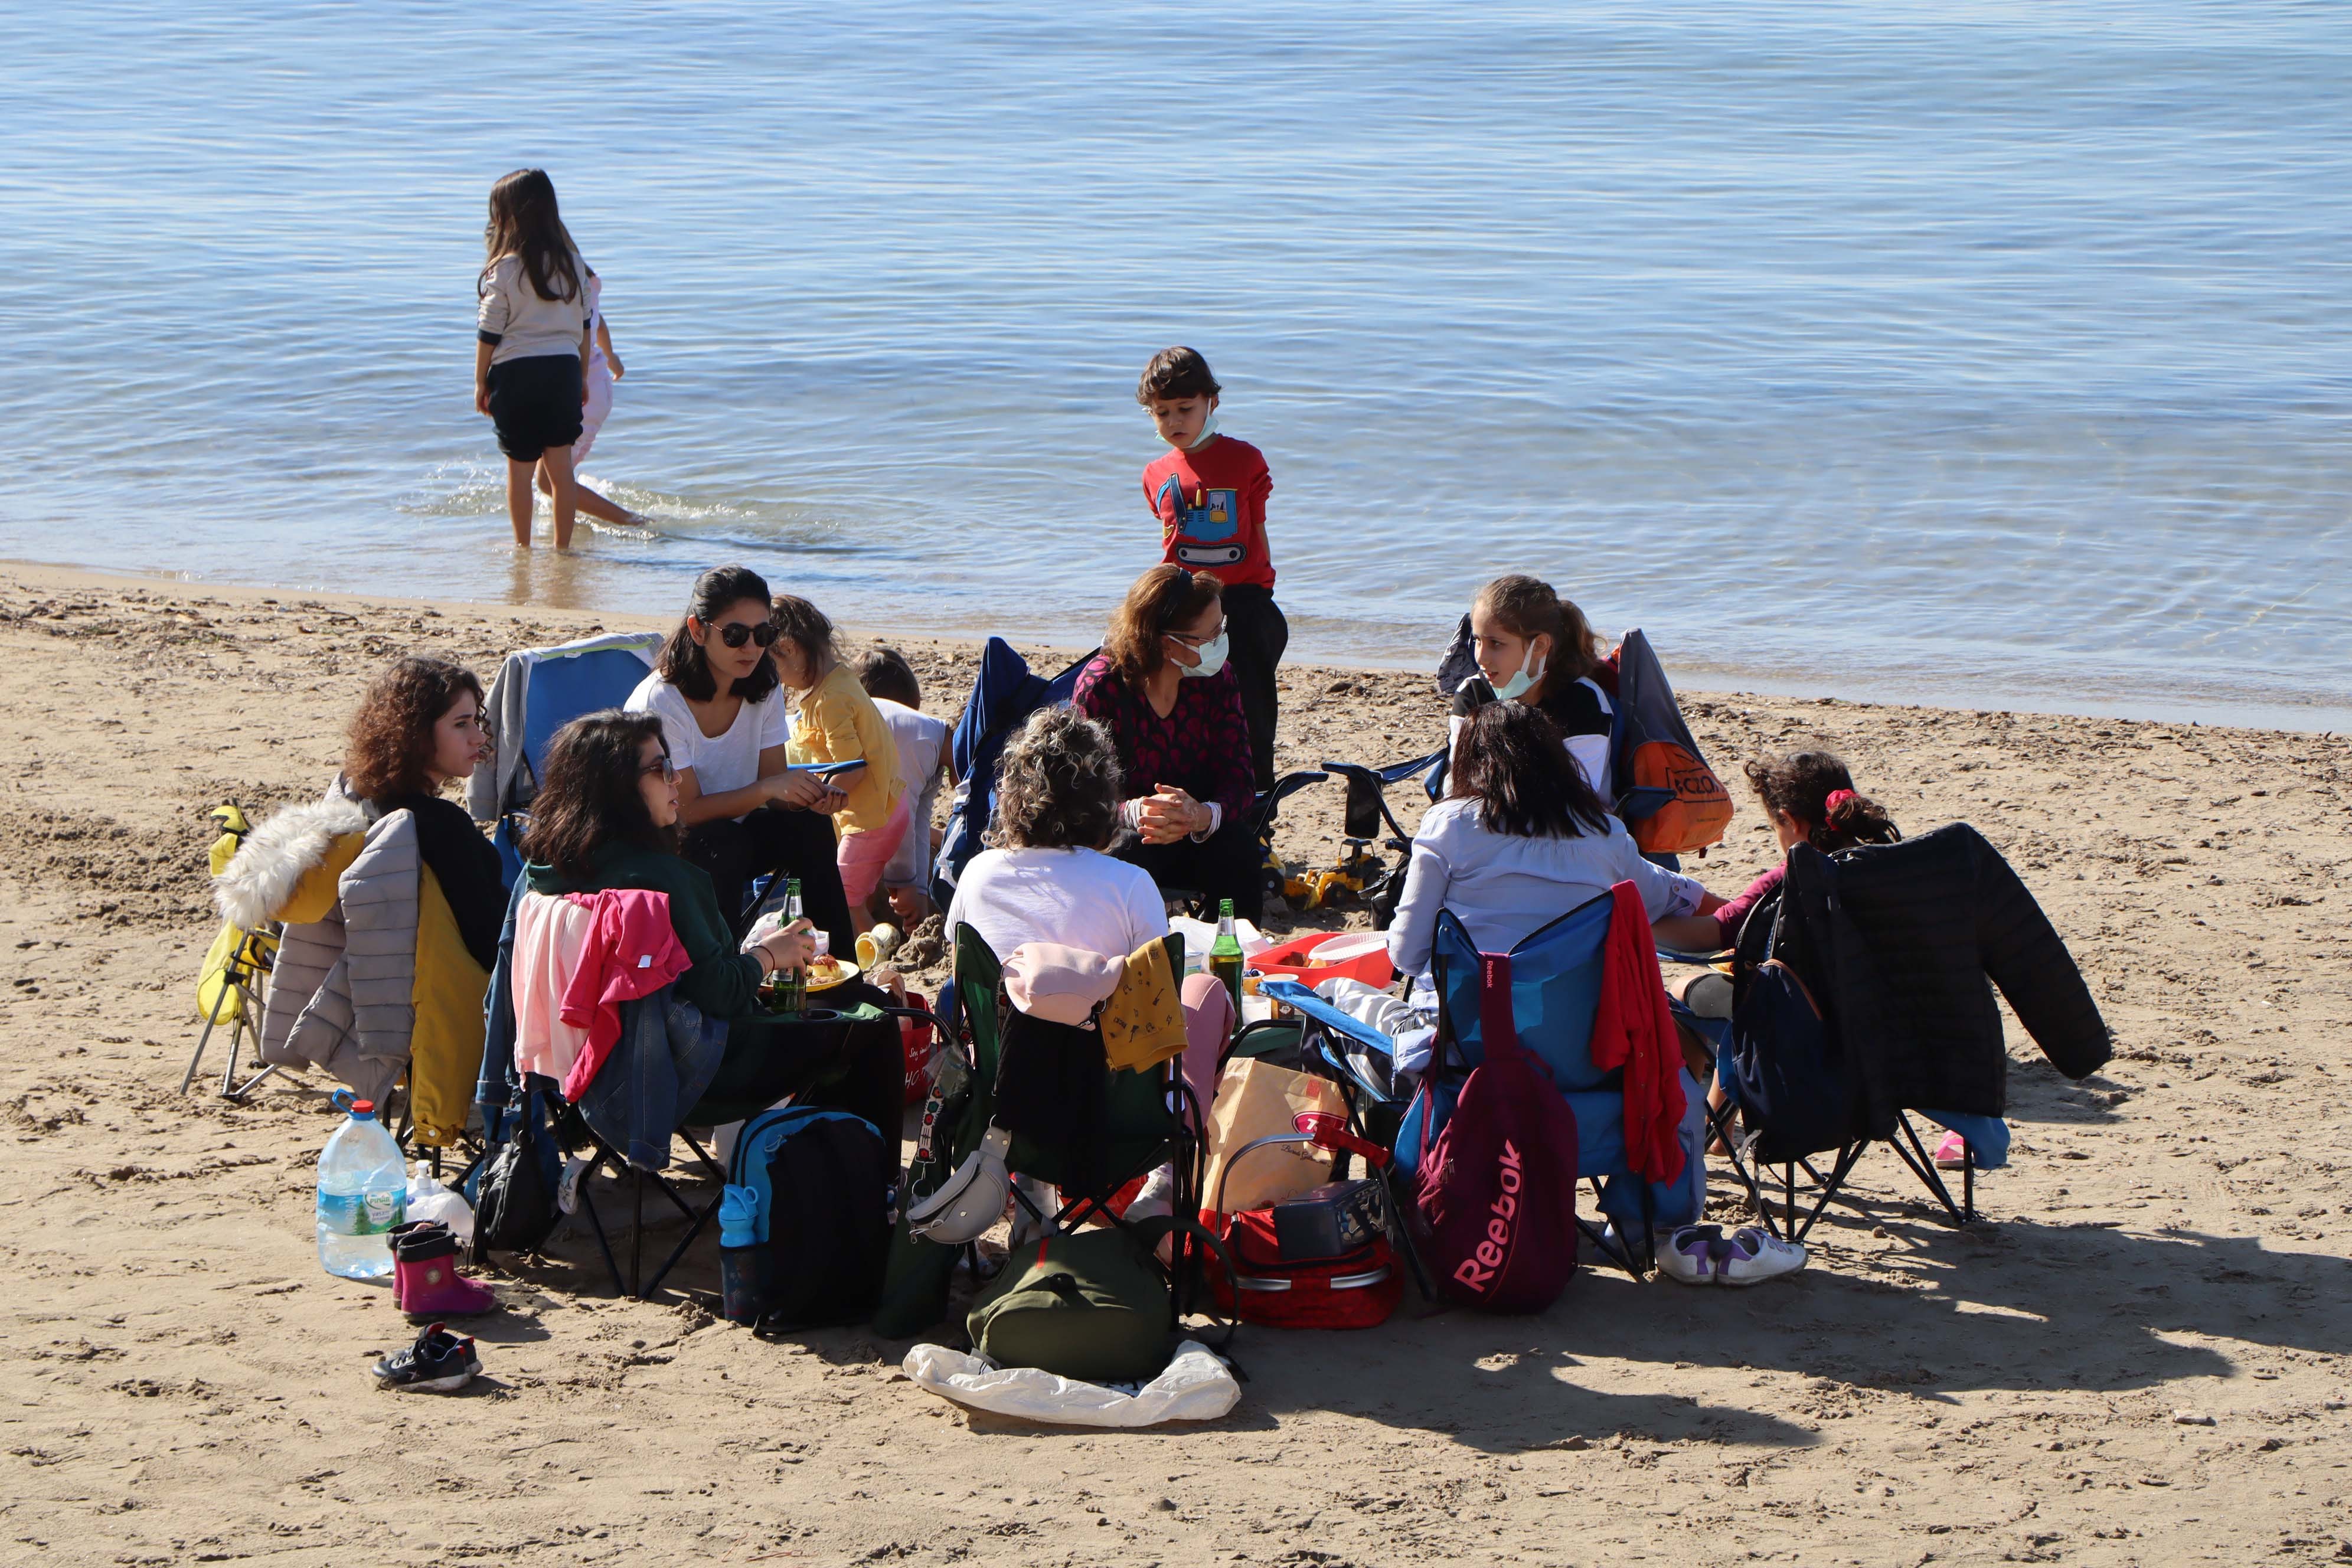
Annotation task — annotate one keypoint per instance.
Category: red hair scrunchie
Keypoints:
(1836, 798)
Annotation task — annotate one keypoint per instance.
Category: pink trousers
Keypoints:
(863, 856)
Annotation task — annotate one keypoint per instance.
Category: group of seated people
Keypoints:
(711, 776)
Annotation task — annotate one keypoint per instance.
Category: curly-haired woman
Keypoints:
(1047, 877)
(392, 902)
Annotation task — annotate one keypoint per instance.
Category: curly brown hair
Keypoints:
(1814, 788)
(392, 734)
(1057, 787)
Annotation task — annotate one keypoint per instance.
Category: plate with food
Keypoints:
(824, 974)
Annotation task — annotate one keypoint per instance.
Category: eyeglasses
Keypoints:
(667, 769)
(1193, 642)
(735, 634)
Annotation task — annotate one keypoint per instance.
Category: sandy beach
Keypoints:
(2139, 1356)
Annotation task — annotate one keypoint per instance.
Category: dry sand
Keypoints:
(181, 1383)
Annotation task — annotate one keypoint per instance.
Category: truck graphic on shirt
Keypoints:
(1204, 524)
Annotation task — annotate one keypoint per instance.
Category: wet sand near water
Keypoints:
(2140, 1356)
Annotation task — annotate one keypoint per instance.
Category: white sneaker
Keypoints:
(1757, 1255)
(1689, 1255)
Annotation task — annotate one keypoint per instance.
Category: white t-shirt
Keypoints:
(1078, 897)
(922, 743)
(720, 763)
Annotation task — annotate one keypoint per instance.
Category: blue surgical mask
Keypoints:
(1530, 670)
(1212, 658)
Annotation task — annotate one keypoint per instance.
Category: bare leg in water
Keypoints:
(557, 461)
(595, 505)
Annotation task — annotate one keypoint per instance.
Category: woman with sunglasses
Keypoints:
(607, 816)
(1162, 687)
(744, 809)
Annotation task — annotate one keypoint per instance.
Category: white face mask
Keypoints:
(1212, 658)
(1208, 432)
(1530, 670)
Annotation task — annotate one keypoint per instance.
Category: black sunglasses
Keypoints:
(735, 634)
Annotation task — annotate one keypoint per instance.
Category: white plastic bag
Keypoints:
(766, 926)
(428, 1199)
(1196, 1386)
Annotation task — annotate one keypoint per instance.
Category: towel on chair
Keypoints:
(1633, 1028)
(1143, 1024)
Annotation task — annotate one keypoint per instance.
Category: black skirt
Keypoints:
(535, 404)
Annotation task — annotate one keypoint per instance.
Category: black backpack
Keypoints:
(804, 1225)
(1785, 1060)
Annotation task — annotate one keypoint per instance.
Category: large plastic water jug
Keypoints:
(362, 1193)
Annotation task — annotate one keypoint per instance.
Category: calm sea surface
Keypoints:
(1983, 352)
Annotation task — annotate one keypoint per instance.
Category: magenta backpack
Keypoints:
(1497, 1186)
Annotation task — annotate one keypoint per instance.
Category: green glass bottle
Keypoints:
(792, 984)
(1225, 960)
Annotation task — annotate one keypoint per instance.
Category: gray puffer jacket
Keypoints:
(341, 995)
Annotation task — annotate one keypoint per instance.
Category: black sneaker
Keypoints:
(438, 1362)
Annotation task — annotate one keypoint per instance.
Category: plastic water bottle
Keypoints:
(362, 1193)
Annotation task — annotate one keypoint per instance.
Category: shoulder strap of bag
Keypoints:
(1151, 1231)
(1499, 1032)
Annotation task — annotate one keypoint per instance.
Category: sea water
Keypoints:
(1985, 352)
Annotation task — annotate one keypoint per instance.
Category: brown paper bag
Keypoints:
(1255, 1099)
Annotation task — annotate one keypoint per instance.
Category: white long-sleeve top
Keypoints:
(518, 322)
(1503, 888)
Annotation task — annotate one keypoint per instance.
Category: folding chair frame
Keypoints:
(243, 972)
(1788, 1225)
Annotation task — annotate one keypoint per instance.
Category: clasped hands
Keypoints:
(1169, 814)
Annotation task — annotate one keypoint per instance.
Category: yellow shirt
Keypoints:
(834, 721)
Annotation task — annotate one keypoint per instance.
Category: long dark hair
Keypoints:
(1815, 788)
(392, 734)
(1513, 761)
(1162, 599)
(524, 222)
(683, 663)
(589, 798)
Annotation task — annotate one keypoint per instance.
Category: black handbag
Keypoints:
(514, 1200)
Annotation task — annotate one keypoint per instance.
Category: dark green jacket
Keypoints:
(723, 983)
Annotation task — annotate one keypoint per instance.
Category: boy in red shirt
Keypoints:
(1209, 494)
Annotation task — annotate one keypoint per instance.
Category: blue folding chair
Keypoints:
(1556, 977)
(1004, 693)
(550, 687)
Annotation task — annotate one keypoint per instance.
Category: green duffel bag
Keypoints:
(1093, 1306)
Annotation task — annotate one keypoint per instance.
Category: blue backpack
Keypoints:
(804, 1223)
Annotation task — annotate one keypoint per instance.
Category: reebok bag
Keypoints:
(1496, 1187)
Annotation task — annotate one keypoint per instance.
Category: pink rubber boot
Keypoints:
(425, 1281)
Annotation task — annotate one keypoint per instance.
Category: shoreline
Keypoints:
(2315, 717)
(2168, 1247)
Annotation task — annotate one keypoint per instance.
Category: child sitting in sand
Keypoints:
(835, 722)
(1210, 495)
(1810, 799)
(925, 761)
(1534, 647)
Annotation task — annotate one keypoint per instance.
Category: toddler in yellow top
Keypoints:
(835, 722)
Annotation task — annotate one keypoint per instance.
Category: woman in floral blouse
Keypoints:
(1162, 687)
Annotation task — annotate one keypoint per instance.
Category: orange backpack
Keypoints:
(1670, 799)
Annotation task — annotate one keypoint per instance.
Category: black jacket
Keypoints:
(1898, 939)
